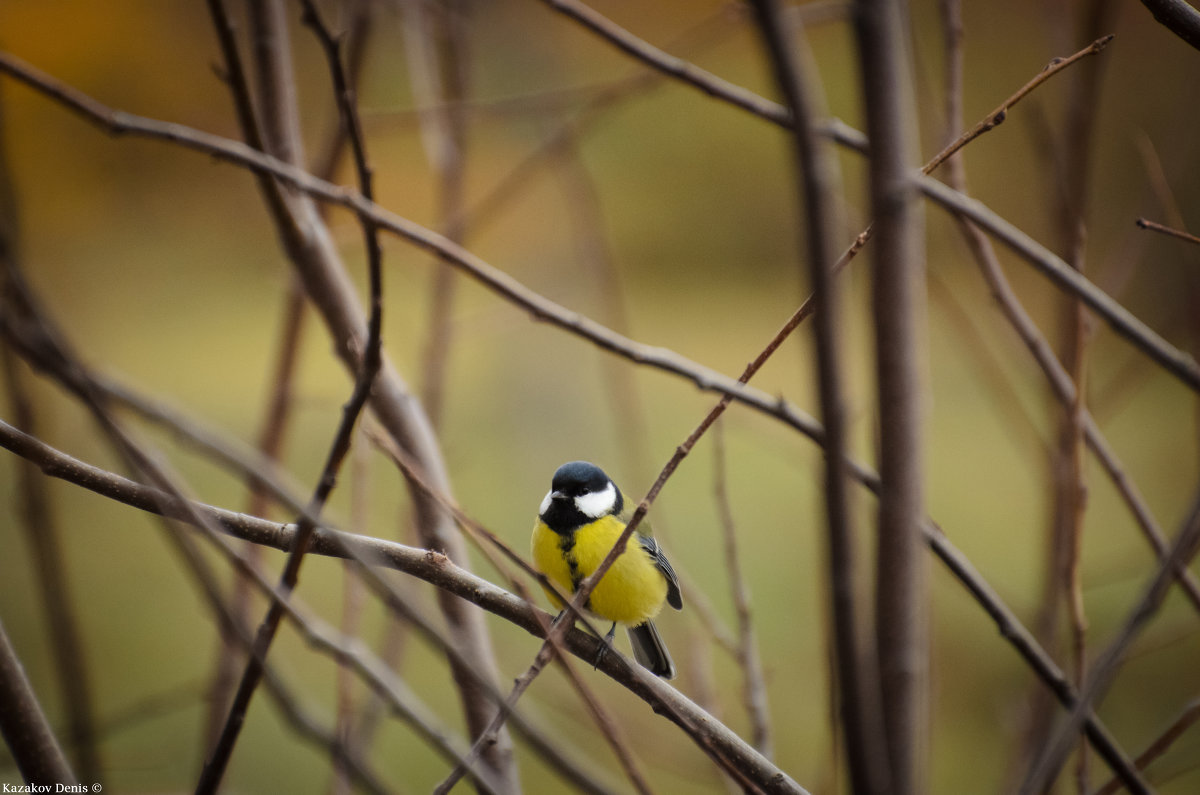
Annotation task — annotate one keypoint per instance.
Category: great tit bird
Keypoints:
(578, 523)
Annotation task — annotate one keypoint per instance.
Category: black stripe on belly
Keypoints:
(566, 543)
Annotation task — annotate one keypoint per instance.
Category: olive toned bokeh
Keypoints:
(164, 269)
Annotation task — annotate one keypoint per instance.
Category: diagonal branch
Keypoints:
(339, 312)
(1108, 663)
(1125, 323)
(1154, 226)
(1177, 16)
(24, 726)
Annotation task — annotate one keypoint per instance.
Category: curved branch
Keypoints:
(121, 123)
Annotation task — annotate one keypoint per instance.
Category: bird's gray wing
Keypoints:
(674, 597)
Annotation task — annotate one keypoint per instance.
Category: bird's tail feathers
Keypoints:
(650, 651)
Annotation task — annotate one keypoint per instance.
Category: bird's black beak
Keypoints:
(560, 496)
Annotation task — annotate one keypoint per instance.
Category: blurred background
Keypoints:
(671, 217)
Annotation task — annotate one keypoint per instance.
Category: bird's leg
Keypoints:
(605, 646)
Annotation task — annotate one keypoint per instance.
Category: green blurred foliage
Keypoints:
(164, 269)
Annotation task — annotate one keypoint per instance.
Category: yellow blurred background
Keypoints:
(163, 267)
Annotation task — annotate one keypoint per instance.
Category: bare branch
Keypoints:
(754, 686)
(277, 102)
(430, 566)
(345, 198)
(24, 726)
(436, 44)
(677, 68)
(998, 115)
(858, 693)
(902, 579)
(1161, 744)
(38, 518)
(1013, 631)
(1107, 664)
(1170, 358)
(283, 113)
(1154, 226)
(1178, 17)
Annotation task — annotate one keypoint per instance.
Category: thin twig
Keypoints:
(998, 115)
(543, 657)
(754, 686)
(436, 44)
(353, 602)
(1161, 744)
(1108, 663)
(1154, 226)
(1071, 494)
(1174, 361)
(604, 721)
(1002, 391)
(1160, 185)
(677, 68)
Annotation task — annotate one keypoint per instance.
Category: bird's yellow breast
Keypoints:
(631, 592)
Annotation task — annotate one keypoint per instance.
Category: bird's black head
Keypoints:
(579, 493)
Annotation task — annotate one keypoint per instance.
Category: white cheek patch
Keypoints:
(545, 504)
(599, 503)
